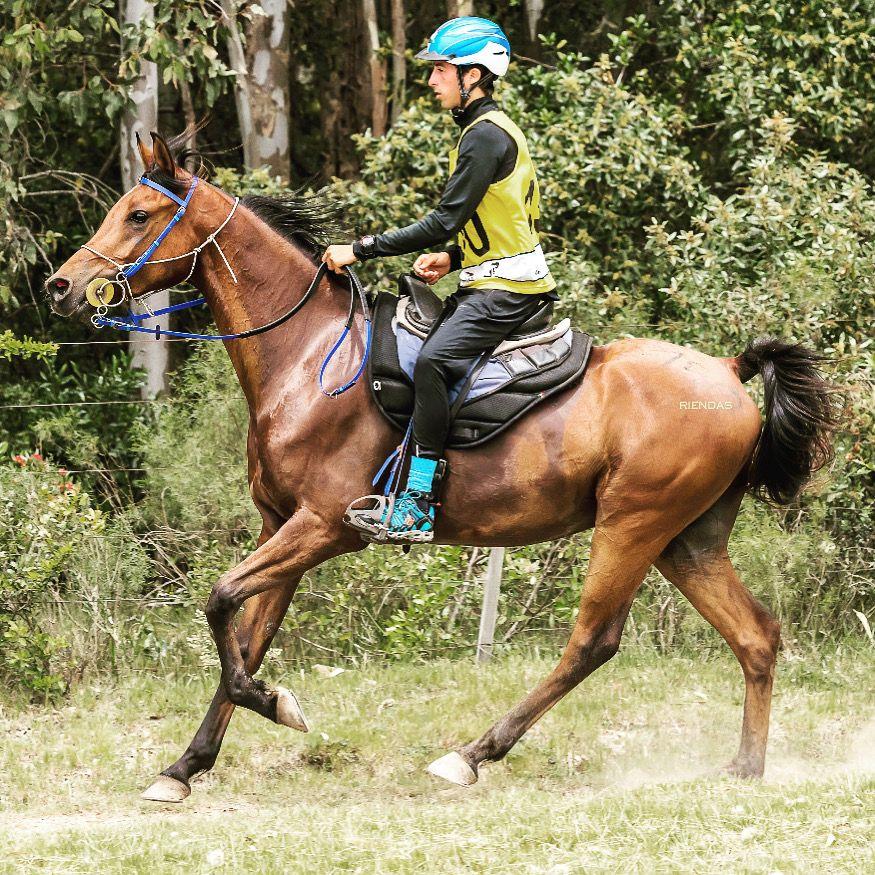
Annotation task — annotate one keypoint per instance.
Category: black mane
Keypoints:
(310, 221)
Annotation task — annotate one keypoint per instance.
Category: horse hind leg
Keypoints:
(619, 561)
(697, 563)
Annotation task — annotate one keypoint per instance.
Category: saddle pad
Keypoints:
(508, 385)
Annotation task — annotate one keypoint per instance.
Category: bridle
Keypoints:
(102, 301)
(126, 271)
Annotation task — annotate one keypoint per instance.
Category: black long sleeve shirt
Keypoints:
(487, 154)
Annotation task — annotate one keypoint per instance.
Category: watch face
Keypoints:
(367, 240)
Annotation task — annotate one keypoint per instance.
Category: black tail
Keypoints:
(801, 417)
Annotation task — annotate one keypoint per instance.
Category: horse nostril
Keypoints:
(58, 286)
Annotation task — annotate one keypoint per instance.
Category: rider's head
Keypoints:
(469, 54)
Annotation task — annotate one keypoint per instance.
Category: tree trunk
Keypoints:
(377, 69)
(188, 111)
(262, 85)
(459, 8)
(141, 118)
(237, 58)
(399, 62)
(534, 9)
(267, 54)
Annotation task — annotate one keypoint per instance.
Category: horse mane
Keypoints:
(310, 221)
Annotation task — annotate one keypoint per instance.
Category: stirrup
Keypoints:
(371, 521)
(411, 536)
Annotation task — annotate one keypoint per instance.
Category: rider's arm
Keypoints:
(482, 155)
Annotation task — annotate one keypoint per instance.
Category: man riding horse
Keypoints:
(491, 202)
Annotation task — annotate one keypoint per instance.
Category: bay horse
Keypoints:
(654, 448)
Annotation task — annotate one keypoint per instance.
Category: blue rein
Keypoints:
(131, 323)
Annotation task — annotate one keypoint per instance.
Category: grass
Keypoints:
(619, 777)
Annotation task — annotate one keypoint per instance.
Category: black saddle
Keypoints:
(425, 308)
(539, 360)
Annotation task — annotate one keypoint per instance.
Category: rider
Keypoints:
(490, 202)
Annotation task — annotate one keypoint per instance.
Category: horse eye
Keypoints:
(138, 216)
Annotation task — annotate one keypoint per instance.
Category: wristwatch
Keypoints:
(363, 248)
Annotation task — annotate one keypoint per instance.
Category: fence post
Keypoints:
(491, 588)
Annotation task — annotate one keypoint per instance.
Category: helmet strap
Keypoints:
(465, 93)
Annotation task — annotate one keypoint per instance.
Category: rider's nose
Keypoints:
(57, 287)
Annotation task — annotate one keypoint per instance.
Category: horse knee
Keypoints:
(221, 604)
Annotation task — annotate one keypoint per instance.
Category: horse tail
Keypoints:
(800, 417)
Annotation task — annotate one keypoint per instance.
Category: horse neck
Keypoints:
(272, 275)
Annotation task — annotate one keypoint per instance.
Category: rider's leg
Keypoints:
(481, 319)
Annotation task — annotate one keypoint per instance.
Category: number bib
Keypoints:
(499, 243)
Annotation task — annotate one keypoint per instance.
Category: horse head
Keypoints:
(133, 223)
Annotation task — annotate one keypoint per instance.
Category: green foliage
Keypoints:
(732, 64)
(60, 556)
(182, 38)
(92, 435)
(25, 347)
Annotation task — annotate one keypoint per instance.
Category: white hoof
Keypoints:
(166, 789)
(454, 769)
(289, 711)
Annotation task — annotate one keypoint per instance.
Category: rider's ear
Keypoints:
(145, 153)
(161, 155)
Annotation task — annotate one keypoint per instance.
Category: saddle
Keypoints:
(536, 361)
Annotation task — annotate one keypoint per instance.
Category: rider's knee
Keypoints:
(429, 363)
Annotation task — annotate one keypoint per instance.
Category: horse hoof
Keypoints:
(289, 711)
(454, 769)
(166, 789)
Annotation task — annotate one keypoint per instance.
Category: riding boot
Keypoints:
(414, 511)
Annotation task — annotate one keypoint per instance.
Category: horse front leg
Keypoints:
(303, 542)
(262, 616)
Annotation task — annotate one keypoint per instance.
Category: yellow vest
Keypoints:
(499, 243)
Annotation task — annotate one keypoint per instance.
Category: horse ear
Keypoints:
(161, 155)
(145, 152)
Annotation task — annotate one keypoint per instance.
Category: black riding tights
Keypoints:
(472, 322)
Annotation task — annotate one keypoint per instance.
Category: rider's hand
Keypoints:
(338, 255)
(432, 266)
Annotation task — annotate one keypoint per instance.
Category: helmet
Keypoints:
(467, 41)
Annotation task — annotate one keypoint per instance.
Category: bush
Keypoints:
(56, 549)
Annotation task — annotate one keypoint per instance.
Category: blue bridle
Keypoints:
(128, 272)
(132, 323)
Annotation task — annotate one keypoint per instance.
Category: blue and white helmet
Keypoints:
(469, 40)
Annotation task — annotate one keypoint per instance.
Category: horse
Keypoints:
(654, 449)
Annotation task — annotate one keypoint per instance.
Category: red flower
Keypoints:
(37, 457)
(20, 459)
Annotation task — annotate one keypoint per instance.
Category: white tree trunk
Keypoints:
(237, 57)
(267, 49)
(151, 355)
(399, 62)
(377, 68)
(534, 11)
(262, 85)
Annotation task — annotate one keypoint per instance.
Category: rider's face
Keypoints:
(444, 81)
